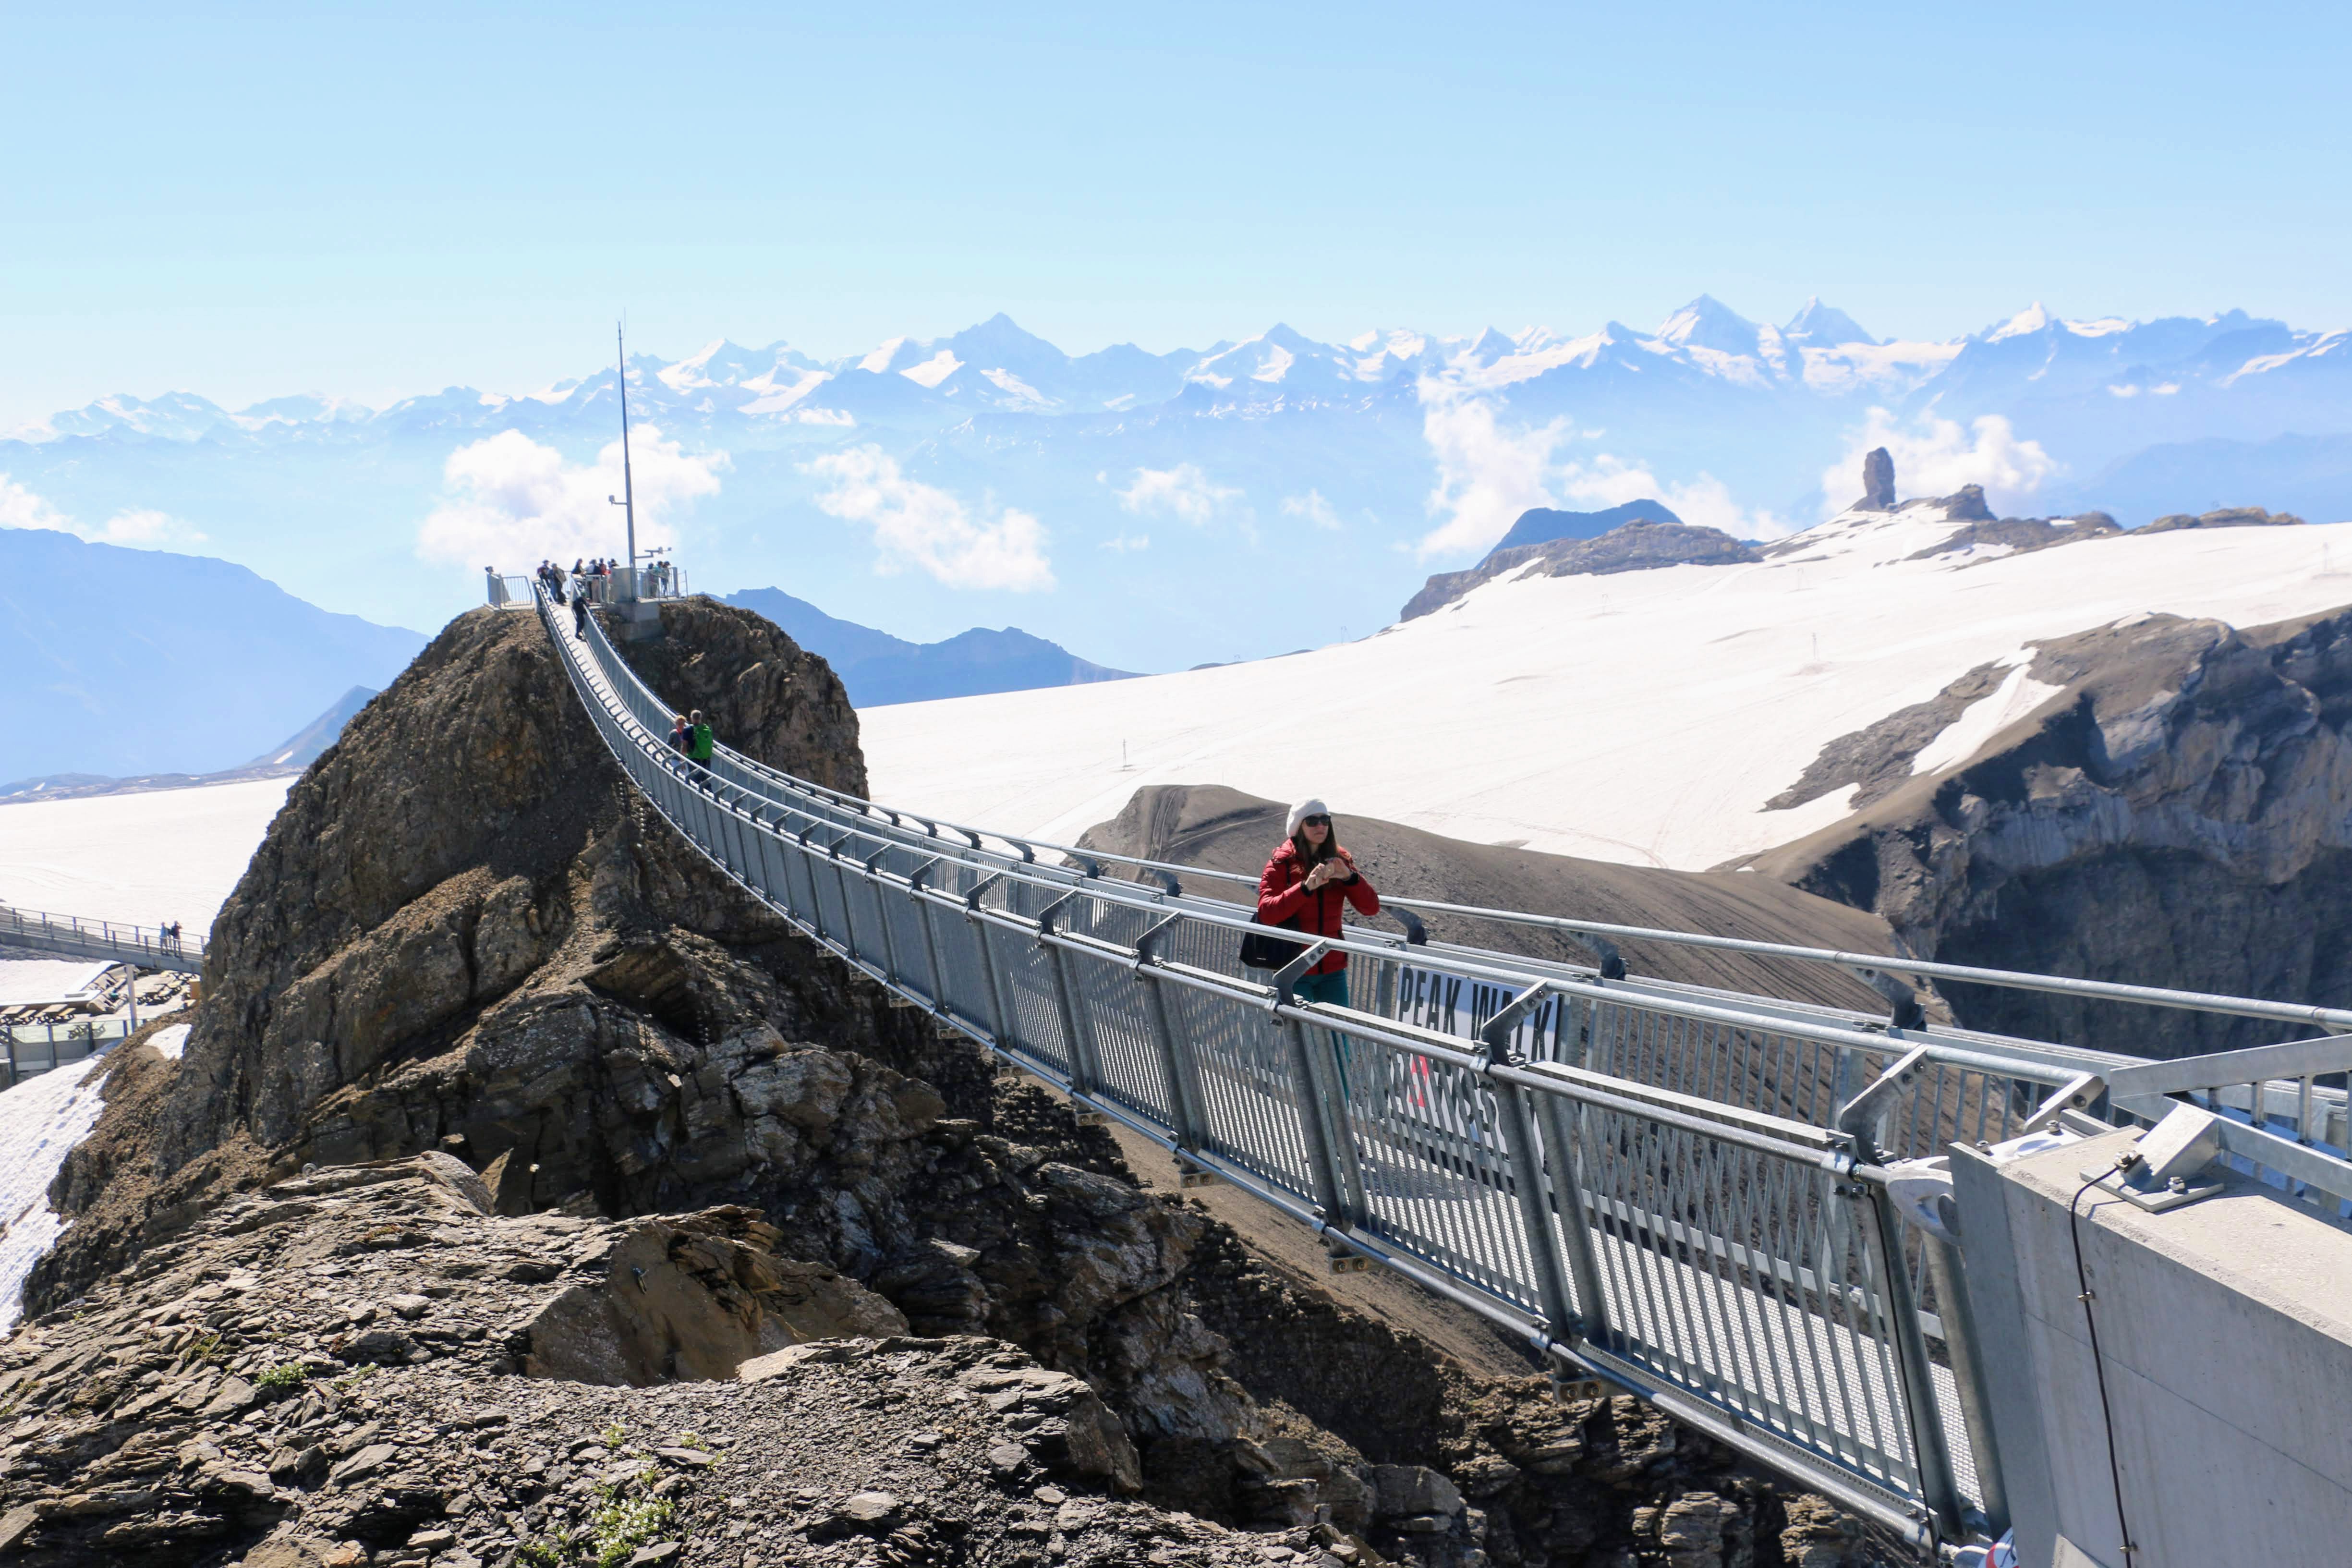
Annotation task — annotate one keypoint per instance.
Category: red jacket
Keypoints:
(1281, 894)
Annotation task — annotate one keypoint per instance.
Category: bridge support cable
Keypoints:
(1691, 1230)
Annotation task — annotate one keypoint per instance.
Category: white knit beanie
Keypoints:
(1306, 808)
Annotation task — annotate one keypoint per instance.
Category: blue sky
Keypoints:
(247, 201)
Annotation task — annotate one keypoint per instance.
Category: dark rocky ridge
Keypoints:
(466, 936)
(2227, 517)
(1638, 546)
(2178, 813)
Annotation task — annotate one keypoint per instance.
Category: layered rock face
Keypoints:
(367, 1365)
(2178, 812)
(465, 934)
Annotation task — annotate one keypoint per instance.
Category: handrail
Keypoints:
(1856, 963)
(1467, 1118)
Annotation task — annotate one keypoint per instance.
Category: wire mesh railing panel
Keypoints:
(1744, 1278)
(1114, 1010)
(832, 892)
(963, 979)
(1435, 1176)
(909, 943)
(1250, 1106)
(1024, 980)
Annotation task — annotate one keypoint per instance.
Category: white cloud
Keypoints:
(1703, 502)
(20, 507)
(1486, 476)
(511, 501)
(1312, 507)
(1182, 492)
(1935, 457)
(1126, 545)
(928, 527)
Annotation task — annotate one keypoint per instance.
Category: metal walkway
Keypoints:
(77, 938)
(1681, 1191)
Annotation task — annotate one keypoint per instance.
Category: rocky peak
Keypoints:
(1877, 481)
(2227, 517)
(1640, 546)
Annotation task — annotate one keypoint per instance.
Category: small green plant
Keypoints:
(692, 1440)
(623, 1524)
(285, 1375)
(208, 1348)
(354, 1378)
(611, 1437)
(542, 1554)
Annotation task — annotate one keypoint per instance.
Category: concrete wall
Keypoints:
(2225, 1329)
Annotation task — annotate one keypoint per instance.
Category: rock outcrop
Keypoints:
(2179, 809)
(367, 1365)
(465, 934)
(2017, 535)
(2226, 517)
(1639, 546)
(1877, 481)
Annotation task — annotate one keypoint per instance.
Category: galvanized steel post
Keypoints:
(1526, 1155)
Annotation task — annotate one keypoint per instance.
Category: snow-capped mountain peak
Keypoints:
(2024, 324)
(1824, 326)
(1707, 323)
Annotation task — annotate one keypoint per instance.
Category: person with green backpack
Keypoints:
(699, 742)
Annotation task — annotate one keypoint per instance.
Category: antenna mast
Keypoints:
(628, 499)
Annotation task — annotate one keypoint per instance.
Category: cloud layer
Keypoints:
(1487, 474)
(1935, 457)
(20, 507)
(1182, 492)
(921, 525)
(511, 502)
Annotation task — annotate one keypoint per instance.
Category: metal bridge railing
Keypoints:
(144, 946)
(1738, 1266)
(1679, 1188)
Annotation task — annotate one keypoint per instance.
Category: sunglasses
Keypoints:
(1313, 822)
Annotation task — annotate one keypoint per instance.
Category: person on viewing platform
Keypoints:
(698, 740)
(681, 737)
(1308, 884)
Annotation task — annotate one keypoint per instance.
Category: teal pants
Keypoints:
(1331, 988)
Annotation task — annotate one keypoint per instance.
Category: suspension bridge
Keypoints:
(1720, 1202)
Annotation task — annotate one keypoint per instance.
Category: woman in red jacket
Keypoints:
(1312, 878)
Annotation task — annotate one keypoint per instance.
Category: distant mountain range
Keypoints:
(128, 662)
(878, 669)
(291, 756)
(1163, 510)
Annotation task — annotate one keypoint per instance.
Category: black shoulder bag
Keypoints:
(1264, 950)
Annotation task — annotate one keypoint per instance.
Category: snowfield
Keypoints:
(1644, 717)
(145, 859)
(40, 1119)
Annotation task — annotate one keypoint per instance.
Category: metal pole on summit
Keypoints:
(628, 497)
